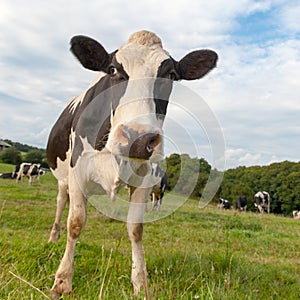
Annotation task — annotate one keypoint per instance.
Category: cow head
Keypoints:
(140, 73)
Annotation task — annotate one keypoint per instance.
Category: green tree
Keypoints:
(280, 180)
(11, 156)
(173, 170)
(35, 156)
(288, 193)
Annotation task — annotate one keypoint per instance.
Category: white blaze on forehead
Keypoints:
(145, 37)
(140, 58)
(142, 55)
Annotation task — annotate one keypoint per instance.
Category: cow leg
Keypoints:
(135, 231)
(61, 200)
(76, 222)
(19, 177)
(159, 203)
(153, 201)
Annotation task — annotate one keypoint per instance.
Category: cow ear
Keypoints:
(90, 53)
(197, 63)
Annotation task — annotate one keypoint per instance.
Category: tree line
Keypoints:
(19, 152)
(281, 180)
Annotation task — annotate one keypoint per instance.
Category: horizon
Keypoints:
(253, 93)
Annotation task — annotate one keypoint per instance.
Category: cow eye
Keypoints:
(112, 70)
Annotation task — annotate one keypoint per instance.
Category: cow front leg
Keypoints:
(76, 222)
(159, 203)
(153, 201)
(135, 221)
(61, 200)
(139, 271)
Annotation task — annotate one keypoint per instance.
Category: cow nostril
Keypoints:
(153, 141)
(137, 143)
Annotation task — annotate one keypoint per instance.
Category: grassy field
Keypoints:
(192, 254)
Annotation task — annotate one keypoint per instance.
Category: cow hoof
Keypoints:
(61, 286)
(55, 233)
(54, 236)
(139, 281)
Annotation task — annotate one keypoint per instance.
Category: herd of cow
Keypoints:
(30, 170)
(262, 202)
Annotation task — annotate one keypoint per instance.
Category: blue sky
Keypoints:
(254, 93)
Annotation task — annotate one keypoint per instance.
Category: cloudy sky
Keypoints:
(253, 95)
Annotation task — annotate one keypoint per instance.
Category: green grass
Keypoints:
(192, 254)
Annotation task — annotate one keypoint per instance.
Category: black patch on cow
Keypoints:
(58, 141)
(241, 202)
(8, 175)
(164, 182)
(158, 172)
(90, 119)
(77, 150)
(34, 171)
(257, 200)
(163, 86)
(26, 168)
(17, 168)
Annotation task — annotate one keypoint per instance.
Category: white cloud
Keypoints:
(254, 91)
(241, 157)
(289, 17)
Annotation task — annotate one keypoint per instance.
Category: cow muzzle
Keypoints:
(137, 141)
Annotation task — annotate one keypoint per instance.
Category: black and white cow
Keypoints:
(109, 134)
(262, 201)
(296, 214)
(11, 175)
(224, 204)
(159, 188)
(241, 203)
(30, 170)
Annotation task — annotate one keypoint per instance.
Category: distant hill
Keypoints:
(22, 147)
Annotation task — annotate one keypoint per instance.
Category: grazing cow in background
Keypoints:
(241, 203)
(224, 204)
(262, 201)
(109, 134)
(158, 189)
(11, 175)
(296, 214)
(32, 171)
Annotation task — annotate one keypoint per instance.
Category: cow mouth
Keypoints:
(136, 144)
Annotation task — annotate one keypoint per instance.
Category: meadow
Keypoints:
(191, 254)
